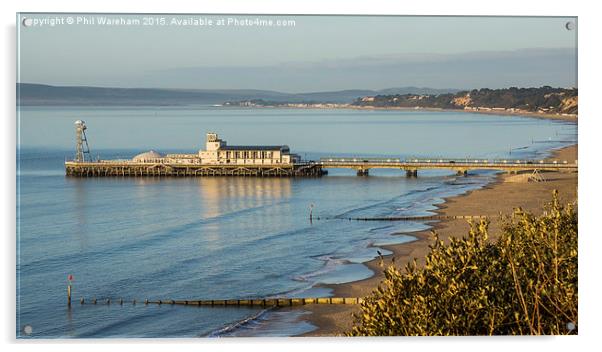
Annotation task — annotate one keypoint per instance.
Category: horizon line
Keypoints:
(54, 85)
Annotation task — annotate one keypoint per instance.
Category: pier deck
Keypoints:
(129, 168)
(462, 166)
(304, 169)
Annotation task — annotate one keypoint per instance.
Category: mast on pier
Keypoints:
(81, 142)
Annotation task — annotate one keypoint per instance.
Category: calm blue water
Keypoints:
(203, 238)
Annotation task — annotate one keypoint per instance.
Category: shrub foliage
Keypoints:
(523, 283)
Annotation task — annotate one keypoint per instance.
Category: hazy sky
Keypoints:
(316, 53)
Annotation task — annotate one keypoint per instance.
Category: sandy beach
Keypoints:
(508, 192)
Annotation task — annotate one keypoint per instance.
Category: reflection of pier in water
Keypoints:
(80, 199)
(251, 192)
(212, 199)
(216, 194)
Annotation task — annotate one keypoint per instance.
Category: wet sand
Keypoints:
(500, 197)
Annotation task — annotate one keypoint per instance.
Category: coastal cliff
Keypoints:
(541, 100)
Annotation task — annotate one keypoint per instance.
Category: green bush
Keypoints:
(523, 283)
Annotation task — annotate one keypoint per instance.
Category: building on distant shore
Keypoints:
(218, 152)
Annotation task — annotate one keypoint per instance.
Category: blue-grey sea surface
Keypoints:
(238, 237)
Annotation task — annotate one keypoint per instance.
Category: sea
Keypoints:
(228, 237)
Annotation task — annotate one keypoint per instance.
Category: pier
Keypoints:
(461, 165)
(126, 168)
(221, 159)
(107, 168)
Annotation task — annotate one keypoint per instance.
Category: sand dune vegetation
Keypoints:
(524, 283)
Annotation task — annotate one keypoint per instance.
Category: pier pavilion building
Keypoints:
(218, 152)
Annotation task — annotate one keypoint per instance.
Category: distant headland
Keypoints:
(31, 94)
(546, 101)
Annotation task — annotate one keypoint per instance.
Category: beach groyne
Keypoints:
(265, 302)
(409, 218)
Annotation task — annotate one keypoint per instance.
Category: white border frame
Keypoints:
(589, 242)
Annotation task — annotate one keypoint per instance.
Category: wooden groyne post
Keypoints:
(69, 279)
